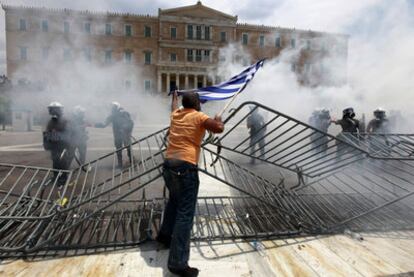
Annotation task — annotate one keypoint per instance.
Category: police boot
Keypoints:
(119, 156)
(131, 160)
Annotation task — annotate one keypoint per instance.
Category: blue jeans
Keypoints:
(181, 179)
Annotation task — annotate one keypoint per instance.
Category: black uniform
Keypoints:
(255, 123)
(323, 123)
(381, 126)
(349, 126)
(320, 121)
(57, 139)
(80, 136)
(122, 126)
(378, 125)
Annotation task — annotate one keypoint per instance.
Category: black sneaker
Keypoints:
(185, 272)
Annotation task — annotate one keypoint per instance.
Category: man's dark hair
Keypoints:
(191, 100)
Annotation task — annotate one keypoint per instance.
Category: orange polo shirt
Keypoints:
(186, 133)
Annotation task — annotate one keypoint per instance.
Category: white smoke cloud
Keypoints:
(379, 65)
(379, 59)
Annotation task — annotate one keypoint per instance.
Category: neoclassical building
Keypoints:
(179, 47)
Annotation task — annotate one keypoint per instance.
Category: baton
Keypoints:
(63, 154)
(83, 167)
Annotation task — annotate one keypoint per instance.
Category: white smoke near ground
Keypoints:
(94, 86)
(92, 83)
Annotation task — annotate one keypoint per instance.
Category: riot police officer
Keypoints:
(349, 125)
(122, 126)
(57, 139)
(324, 120)
(380, 123)
(257, 130)
(321, 120)
(314, 117)
(348, 122)
(80, 133)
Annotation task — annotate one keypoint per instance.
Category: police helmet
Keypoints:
(116, 105)
(325, 113)
(55, 104)
(349, 112)
(55, 109)
(379, 113)
(79, 110)
(316, 111)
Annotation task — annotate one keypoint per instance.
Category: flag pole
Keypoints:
(257, 65)
(231, 101)
(235, 95)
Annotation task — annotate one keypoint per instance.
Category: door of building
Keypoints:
(172, 86)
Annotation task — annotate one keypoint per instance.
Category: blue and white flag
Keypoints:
(229, 88)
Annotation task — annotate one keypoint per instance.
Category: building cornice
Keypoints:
(78, 12)
(193, 20)
(163, 16)
(184, 68)
(187, 44)
(266, 28)
(198, 5)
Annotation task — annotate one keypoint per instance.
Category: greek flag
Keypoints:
(227, 89)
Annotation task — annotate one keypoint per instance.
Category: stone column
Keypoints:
(177, 80)
(195, 81)
(159, 82)
(213, 79)
(186, 82)
(204, 80)
(167, 88)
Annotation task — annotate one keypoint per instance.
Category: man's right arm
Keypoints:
(174, 101)
(103, 125)
(215, 125)
(336, 122)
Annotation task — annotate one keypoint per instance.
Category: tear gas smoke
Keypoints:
(379, 71)
(379, 68)
(86, 79)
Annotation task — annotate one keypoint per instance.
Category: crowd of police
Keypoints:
(321, 119)
(66, 136)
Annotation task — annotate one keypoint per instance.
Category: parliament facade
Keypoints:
(179, 47)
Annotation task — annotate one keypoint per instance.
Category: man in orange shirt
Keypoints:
(187, 129)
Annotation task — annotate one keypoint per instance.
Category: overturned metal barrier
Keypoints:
(342, 180)
(35, 212)
(363, 196)
(293, 145)
(384, 146)
(341, 183)
(369, 196)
